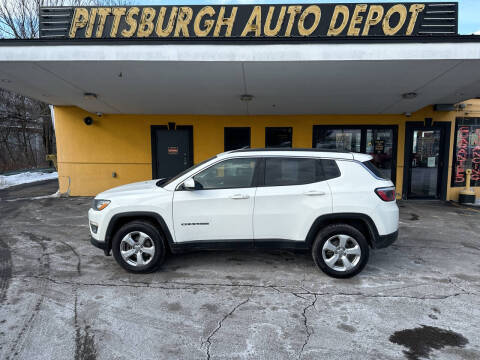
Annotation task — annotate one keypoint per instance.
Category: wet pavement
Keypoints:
(61, 298)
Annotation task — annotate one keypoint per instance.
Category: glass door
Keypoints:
(424, 163)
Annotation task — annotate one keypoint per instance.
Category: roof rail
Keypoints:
(247, 149)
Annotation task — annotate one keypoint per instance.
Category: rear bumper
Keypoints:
(383, 241)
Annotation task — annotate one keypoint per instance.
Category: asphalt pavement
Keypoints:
(61, 298)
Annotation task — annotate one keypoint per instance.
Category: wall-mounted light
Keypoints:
(409, 95)
(90, 96)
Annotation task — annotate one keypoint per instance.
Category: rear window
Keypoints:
(374, 169)
(298, 171)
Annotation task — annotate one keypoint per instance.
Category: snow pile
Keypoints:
(24, 178)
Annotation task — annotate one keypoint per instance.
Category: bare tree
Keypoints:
(22, 129)
(22, 120)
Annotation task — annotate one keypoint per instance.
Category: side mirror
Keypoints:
(189, 184)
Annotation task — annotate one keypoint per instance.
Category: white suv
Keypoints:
(338, 205)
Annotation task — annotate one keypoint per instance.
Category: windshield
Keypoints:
(164, 182)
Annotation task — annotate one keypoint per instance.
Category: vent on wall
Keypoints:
(55, 22)
(440, 19)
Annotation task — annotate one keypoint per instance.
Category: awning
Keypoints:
(350, 77)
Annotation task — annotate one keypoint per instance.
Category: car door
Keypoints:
(294, 193)
(221, 205)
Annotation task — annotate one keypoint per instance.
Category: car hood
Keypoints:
(138, 187)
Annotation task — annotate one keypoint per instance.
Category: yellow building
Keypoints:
(133, 104)
(116, 150)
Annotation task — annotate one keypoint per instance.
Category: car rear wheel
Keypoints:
(139, 247)
(340, 250)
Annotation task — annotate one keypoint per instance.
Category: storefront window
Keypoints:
(378, 141)
(339, 140)
(380, 146)
(467, 151)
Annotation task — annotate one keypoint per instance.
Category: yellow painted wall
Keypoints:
(88, 155)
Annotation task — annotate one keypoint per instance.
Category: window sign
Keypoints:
(467, 151)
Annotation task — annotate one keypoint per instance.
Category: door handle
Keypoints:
(239, 196)
(314, 193)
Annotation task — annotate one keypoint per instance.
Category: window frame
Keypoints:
(252, 185)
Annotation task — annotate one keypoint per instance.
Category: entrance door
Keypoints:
(172, 150)
(426, 148)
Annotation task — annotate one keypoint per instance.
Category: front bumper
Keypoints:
(101, 245)
(383, 241)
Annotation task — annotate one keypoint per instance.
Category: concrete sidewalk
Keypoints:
(60, 298)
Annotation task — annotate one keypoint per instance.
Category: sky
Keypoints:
(469, 10)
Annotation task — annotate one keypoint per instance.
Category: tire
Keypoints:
(139, 238)
(340, 250)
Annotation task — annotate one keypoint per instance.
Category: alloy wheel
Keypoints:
(341, 252)
(137, 248)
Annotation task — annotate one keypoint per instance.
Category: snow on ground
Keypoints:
(24, 178)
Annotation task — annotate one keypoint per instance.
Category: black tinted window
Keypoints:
(278, 137)
(328, 169)
(376, 171)
(237, 138)
(289, 171)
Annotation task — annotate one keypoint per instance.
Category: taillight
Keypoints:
(386, 194)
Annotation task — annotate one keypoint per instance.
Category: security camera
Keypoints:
(99, 114)
(407, 114)
(88, 120)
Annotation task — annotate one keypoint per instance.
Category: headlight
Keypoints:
(99, 204)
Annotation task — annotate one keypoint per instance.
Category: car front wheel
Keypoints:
(340, 250)
(139, 247)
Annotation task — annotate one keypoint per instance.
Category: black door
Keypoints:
(426, 149)
(172, 150)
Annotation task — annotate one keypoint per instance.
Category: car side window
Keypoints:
(228, 174)
(298, 171)
(289, 171)
(327, 169)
